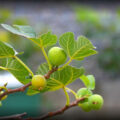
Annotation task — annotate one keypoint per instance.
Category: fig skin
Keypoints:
(83, 91)
(57, 56)
(96, 101)
(38, 82)
(86, 107)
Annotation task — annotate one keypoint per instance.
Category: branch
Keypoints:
(14, 117)
(47, 76)
(22, 89)
(60, 111)
(50, 114)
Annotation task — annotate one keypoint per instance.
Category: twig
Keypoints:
(3, 87)
(22, 89)
(60, 111)
(47, 76)
(14, 117)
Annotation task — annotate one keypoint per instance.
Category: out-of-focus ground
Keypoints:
(60, 18)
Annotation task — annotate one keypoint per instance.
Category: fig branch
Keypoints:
(60, 111)
(13, 117)
(48, 115)
(23, 88)
(46, 57)
(10, 91)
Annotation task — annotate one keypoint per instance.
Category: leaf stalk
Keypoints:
(67, 97)
(46, 57)
(66, 64)
(73, 92)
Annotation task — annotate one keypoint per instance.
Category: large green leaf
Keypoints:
(89, 81)
(46, 39)
(25, 31)
(13, 64)
(76, 49)
(17, 69)
(85, 14)
(6, 50)
(59, 78)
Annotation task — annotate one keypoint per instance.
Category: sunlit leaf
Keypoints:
(79, 49)
(6, 50)
(46, 39)
(17, 69)
(26, 31)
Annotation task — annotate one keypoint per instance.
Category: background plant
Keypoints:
(57, 77)
(6, 16)
(102, 26)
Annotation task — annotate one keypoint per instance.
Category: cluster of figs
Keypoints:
(57, 56)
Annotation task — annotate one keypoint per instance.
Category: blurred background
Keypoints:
(99, 21)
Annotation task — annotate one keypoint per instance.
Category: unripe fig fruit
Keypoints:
(4, 97)
(83, 92)
(86, 107)
(57, 56)
(38, 82)
(95, 101)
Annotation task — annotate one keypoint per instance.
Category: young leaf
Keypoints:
(89, 81)
(25, 31)
(17, 69)
(85, 80)
(79, 49)
(60, 78)
(92, 82)
(6, 50)
(46, 39)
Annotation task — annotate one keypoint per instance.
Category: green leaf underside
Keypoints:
(12, 65)
(59, 79)
(6, 50)
(47, 39)
(17, 70)
(22, 30)
(79, 49)
(31, 91)
(89, 81)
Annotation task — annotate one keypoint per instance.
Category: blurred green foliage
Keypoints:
(23, 102)
(19, 43)
(103, 26)
(6, 16)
